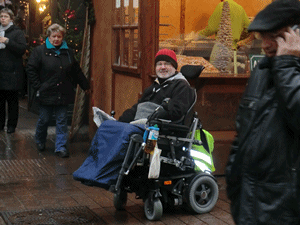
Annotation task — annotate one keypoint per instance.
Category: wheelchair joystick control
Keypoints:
(113, 113)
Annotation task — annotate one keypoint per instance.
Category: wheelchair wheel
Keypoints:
(153, 209)
(202, 194)
(120, 199)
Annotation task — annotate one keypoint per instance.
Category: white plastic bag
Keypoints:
(100, 116)
(154, 169)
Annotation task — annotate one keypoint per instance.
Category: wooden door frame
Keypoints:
(148, 44)
(149, 36)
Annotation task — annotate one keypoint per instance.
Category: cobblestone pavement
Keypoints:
(30, 180)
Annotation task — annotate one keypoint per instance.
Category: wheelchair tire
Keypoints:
(153, 209)
(120, 200)
(202, 194)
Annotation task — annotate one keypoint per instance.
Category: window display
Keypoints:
(222, 44)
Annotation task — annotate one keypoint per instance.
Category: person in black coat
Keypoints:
(54, 74)
(12, 48)
(262, 173)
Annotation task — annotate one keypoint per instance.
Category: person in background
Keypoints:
(19, 20)
(239, 22)
(6, 4)
(263, 169)
(12, 48)
(54, 74)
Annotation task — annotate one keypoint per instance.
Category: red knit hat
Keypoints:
(168, 56)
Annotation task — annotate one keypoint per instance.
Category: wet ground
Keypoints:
(37, 188)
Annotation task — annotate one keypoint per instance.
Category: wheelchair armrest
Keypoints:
(168, 125)
(137, 138)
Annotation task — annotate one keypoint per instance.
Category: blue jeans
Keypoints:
(45, 115)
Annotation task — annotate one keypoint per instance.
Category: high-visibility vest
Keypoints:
(203, 157)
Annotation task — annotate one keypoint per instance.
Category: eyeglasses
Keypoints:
(166, 64)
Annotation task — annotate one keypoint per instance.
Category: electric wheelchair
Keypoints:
(178, 183)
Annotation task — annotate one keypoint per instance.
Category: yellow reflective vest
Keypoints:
(203, 158)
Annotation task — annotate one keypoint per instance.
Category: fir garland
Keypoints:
(89, 4)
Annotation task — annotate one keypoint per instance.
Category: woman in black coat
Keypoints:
(54, 74)
(12, 48)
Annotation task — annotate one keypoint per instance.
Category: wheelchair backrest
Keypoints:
(191, 72)
(188, 118)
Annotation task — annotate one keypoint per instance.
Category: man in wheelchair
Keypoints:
(170, 84)
(169, 97)
(117, 145)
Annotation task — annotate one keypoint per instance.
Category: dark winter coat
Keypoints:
(11, 61)
(262, 174)
(176, 88)
(55, 76)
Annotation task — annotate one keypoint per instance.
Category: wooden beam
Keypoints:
(149, 27)
(182, 19)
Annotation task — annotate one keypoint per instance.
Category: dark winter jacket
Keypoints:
(55, 76)
(11, 61)
(262, 173)
(176, 88)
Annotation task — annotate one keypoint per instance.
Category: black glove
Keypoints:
(159, 113)
(165, 103)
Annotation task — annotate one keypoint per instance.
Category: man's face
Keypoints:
(164, 69)
(269, 43)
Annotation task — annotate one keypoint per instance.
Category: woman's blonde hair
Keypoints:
(56, 28)
(9, 12)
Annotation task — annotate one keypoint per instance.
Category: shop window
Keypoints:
(221, 44)
(125, 29)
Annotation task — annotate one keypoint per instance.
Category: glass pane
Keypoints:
(186, 28)
(118, 3)
(116, 47)
(125, 34)
(126, 48)
(127, 12)
(135, 48)
(131, 12)
(118, 13)
(136, 12)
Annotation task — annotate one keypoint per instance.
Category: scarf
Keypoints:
(64, 45)
(2, 33)
(6, 27)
